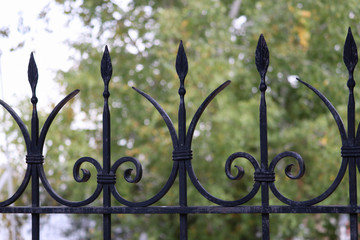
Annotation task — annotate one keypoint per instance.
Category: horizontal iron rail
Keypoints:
(182, 210)
(264, 170)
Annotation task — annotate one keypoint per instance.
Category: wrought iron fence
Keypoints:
(264, 175)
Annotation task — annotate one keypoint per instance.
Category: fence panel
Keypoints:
(264, 170)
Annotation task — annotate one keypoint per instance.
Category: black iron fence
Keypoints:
(264, 175)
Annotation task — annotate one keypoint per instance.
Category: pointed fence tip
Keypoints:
(32, 73)
(31, 59)
(106, 66)
(262, 56)
(350, 55)
(181, 64)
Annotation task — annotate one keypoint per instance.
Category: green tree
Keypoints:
(142, 35)
(220, 43)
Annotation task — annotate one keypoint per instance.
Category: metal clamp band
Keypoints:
(347, 151)
(182, 155)
(261, 176)
(106, 178)
(34, 159)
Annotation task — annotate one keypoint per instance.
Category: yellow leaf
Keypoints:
(304, 36)
(291, 8)
(323, 141)
(184, 23)
(305, 13)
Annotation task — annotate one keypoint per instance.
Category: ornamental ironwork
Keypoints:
(264, 170)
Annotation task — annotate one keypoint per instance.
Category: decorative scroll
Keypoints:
(264, 177)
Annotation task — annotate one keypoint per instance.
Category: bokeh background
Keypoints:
(305, 40)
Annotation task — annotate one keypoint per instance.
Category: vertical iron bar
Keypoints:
(262, 63)
(34, 171)
(34, 152)
(350, 59)
(106, 169)
(264, 163)
(352, 160)
(352, 166)
(182, 168)
(183, 201)
(106, 72)
(182, 68)
(35, 217)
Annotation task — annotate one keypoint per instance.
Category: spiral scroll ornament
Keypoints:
(263, 171)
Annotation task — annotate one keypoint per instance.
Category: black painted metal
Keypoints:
(264, 173)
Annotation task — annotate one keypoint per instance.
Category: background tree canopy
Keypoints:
(305, 39)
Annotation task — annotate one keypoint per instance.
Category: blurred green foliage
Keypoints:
(305, 39)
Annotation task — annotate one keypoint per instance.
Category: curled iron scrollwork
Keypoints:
(238, 176)
(289, 167)
(241, 171)
(127, 172)
(288, 171)
(78, 178)
(350, 140)
(136, 179)
(300, 173)
(264, 173)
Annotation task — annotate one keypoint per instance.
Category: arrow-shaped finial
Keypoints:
(106, 66)
(350, 55)
(32, 73)
(181, 63)
(262, 56)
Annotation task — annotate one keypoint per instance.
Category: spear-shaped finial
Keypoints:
(106, 67)
(262, 57)
(350, 55)
(181, 64)
(350, 58)
(33, 77)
